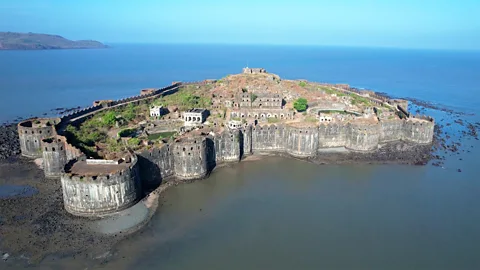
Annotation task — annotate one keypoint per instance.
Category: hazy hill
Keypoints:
(33, 41)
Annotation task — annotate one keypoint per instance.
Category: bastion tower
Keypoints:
(190, 158)
(31, 133)
(54, 156)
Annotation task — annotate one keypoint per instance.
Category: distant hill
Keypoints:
(33, 41)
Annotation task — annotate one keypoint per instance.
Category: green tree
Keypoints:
(300, 104)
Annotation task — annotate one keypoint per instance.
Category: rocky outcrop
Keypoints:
(9, 144)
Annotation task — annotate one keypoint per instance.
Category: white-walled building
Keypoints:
(156, 111)
(195, 117)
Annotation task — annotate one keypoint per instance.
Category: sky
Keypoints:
(429, 24)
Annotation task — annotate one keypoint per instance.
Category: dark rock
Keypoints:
(9, 143)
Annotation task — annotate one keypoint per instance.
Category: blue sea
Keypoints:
(281, 213)
(34, 82)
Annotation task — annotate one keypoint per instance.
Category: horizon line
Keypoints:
(293, 45)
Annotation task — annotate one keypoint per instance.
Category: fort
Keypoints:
(109, 154)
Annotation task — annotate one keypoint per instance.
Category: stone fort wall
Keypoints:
(193, 157)
(102, 194)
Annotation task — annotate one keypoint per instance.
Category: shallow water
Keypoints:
(123, 221)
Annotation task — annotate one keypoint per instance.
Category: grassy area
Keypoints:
(311, 119)
(161, 135)
(273, 120)
(302, 84)
(85, 137)
(358, 100)
(330, 91)
(333, 111)
(185, 99)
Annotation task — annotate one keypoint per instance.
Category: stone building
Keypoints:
(248, 70)
(194, 117)
(267, 100)
(245, 100)
(156, 111)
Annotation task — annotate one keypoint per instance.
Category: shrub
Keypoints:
(300, 104)
(133, 141)
(302, 84)
(109, 118)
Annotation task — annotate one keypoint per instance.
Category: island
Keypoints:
(109, 155)
(34, 41)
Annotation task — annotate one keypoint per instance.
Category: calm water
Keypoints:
(280, 213)
(34, 82)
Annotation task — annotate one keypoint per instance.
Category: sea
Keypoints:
(278, 213)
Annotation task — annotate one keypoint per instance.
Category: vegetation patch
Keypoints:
(185, 99)
(161, 135)
(129, 132)
(273, 120)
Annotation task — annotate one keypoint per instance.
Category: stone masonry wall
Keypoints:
(103, 194)
(268, 138)
(228, 146)
(30, 137)
(156, 165)
(302, 142)
(54, 156)
(363, 137)
(391, 130)
(332, 135)
(190, 159)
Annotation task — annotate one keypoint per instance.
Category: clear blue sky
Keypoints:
(450, 24)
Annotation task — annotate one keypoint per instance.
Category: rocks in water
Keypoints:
(9, 143)
(459, 170)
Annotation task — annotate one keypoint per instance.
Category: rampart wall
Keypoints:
(156, 165)
(362, 137)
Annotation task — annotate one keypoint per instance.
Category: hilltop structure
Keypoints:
(107, 154)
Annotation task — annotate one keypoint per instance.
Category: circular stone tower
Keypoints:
(54, 157)
(104, 187)
(190, 158)
(31, 132)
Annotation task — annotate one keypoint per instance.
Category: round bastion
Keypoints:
(31, 132)
(101, 187)
(190, 158)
